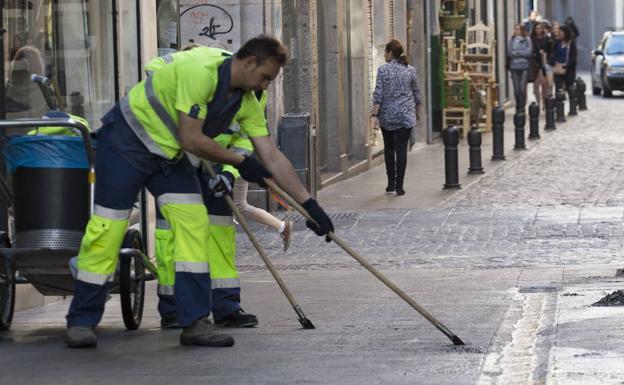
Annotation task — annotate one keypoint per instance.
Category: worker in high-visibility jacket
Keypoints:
(142, 143)
(226, 308)
(221, 247)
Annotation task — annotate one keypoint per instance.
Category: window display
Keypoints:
(67, 41)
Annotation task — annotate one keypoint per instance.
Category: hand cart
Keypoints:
(50, 206)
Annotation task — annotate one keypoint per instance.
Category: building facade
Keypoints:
(94, 50)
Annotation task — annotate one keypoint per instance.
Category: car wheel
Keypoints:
(606, 91)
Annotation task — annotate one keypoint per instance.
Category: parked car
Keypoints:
(608, 64)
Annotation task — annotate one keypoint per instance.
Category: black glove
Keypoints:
(325, 225)
(253, 171)
(221, 184)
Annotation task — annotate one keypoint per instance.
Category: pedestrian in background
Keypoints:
(519, 52)
(534, 18)
(542, 48)
(564, 57)
(23, 95)
(569, 21)
(396, 102)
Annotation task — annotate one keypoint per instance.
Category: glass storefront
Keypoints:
(72, 42)
(168, 29)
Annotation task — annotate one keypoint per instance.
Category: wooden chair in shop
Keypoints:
(480, 66)
(455, 87)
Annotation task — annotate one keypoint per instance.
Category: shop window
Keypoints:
(128, 46)
(68, 41)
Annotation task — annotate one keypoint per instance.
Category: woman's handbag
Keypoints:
(559, 69)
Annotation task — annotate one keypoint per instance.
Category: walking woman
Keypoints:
(396, 102)
(564, 58)
(519, 52)
(542, 48)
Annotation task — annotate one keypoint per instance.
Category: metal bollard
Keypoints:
(498, 134)
(474, 141)
(534, 112)
(560, 97)
(550, 113)
(450, 138)
(573, 94)
(581, 88)
(519, 122)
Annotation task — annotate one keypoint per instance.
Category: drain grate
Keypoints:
(300, 267)
(296, 217)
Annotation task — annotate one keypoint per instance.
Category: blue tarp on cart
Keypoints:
(43, 151)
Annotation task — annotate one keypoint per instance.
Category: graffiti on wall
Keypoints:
(207, 21)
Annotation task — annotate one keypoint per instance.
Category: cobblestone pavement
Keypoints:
(560, 202)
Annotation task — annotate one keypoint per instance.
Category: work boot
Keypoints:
(202, 333)
(285, 235)
(169, 322)
(80, 337)
(238, 319)
(391, 186)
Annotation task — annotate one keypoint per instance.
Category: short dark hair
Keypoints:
(264, 47)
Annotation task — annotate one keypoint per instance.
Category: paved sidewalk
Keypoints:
(424, 176)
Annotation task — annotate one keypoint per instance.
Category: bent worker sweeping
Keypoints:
(142, 143)
(226, 290)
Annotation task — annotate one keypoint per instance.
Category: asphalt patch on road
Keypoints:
(614, 299)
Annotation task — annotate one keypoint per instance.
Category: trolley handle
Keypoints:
(46, 89)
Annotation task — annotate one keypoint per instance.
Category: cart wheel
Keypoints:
(7, 289)
(132, 282)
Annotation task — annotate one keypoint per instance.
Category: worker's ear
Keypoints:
(249, 63)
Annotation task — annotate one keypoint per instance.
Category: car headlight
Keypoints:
(612, 70)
